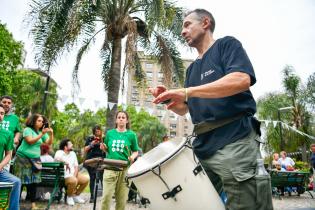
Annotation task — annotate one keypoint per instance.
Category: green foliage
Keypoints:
(28, 92)
(10, 59)
(302, 166)
(299, 117)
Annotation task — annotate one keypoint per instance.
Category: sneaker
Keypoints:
(70, 201)
(78, 199)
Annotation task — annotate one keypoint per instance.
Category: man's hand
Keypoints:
(177, 96)
(157, 90)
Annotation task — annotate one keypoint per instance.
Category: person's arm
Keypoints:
(6, 159)
(51, 136)
(230, 84)
(133, 156)
(76, 171)
(33, 140)
(87, 146)
(17, 138)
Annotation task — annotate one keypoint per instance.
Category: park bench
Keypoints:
(53, 177)
(5, 190)
(283, 179)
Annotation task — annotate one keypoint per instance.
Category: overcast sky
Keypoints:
(274, 33)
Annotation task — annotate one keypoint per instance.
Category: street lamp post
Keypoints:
(46, 92)
(280, 124)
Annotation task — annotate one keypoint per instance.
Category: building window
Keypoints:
(172, 134)
(149, 74)
(173, 126)
(148, 65)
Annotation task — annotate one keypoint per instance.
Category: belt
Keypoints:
(206, 126)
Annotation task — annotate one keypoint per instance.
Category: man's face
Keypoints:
(193, 29)
(7, 104)
(2, 113)
(313, 149)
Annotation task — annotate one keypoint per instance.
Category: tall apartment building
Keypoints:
(178, 126)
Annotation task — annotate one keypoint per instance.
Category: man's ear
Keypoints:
(206, 23)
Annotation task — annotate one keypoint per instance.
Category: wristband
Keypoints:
(186, 94)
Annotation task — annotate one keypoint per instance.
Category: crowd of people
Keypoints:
(34, 147)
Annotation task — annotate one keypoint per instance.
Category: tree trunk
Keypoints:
(114, 82)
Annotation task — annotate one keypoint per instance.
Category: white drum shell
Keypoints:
(197, 192)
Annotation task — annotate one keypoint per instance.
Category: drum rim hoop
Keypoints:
(160, 163)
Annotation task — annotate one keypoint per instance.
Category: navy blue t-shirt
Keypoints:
(225, 56)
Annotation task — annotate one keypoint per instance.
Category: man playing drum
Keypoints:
(218, 98)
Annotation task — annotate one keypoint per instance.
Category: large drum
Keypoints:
(5, 190)
(172, 179)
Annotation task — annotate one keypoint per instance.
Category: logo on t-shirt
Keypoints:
(118, 145)
(5, 125)
(207, 73)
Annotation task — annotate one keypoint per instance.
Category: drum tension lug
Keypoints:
(172, 193)
(197, 169)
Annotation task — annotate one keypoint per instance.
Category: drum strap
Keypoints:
(206, 126)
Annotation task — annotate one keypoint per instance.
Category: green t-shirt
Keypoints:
(31, 150)
(11, 123)
(6, 142)
(121, 144)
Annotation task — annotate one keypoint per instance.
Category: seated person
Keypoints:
(275, 160)
(286, 162)
(44, 157)
(44, 154)
(74, 180)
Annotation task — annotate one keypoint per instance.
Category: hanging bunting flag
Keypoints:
(275, 123)
(286, 126)
(81, 101)
(124, 106)
(111, 105)
(64, 99)
(138, 108)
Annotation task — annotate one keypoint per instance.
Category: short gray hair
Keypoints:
(202, 13)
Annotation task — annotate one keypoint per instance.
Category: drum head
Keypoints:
(158, 155)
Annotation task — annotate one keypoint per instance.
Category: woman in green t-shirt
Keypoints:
(36, 132)
(121, 144)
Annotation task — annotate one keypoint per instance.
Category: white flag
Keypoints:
(275, 123)
(111, 105)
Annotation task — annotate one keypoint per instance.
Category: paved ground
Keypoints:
(294, 202)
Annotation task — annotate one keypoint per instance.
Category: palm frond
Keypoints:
(56, 25)
(80, 53)
(172, 66)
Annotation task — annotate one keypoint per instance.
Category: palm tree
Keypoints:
(58, 25)
(295, 92)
